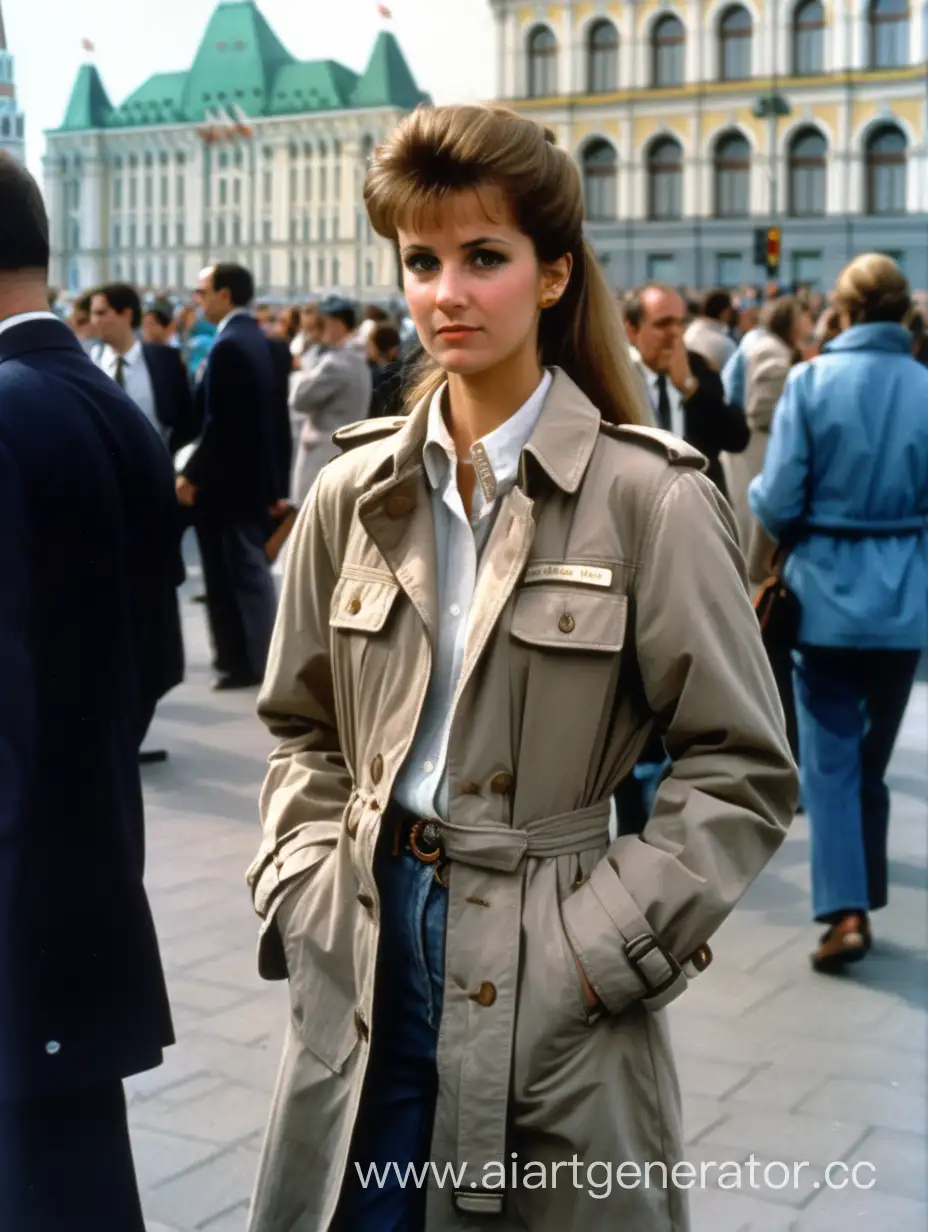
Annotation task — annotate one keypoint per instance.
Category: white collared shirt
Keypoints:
(137, 380)
(236, 312)
(22, 317)
(674, 397)
(422, 783)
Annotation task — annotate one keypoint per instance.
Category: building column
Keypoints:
(92, 245)
(55, 206)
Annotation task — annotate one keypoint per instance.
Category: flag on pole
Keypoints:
(87, 45)
(384, 12)
(242, 126)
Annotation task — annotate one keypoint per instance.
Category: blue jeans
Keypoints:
(849, 706)
(394, 1123)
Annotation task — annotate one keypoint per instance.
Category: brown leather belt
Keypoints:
(422, 834)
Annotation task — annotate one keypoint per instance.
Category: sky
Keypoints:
(449, 45)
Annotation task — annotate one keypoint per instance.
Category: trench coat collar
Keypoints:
(562, 442)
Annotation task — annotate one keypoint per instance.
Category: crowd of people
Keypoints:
(534, 741)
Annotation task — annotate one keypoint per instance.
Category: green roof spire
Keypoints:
(89, 105)
(237, 62)
(387, 80)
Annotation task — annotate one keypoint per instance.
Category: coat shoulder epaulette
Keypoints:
(364, 431)
(677, 451)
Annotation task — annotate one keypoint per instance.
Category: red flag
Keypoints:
(384, 11)
(87, 45)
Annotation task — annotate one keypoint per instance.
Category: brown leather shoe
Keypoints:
(845, 942)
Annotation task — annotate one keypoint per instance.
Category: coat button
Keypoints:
(566, 623)
(352, 827)
(354, 607)
(485, 994)
(502, 784)
(470, 789)
(361, 1023)
(53, 1048)
(400, 506)
(376, 769)
(366, 901)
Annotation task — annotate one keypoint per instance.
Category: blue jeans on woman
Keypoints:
(849, 707)
(393, 1131)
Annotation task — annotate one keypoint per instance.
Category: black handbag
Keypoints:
(777, 607)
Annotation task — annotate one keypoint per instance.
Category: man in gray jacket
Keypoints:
(336, 392)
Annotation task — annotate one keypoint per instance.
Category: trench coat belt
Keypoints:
(482, 1136)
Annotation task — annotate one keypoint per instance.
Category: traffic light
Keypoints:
(760, 245)
(773, 251)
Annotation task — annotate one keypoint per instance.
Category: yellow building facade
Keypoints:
(698, 122)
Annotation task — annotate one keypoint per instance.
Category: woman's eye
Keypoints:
(422, 263)
(485, 259)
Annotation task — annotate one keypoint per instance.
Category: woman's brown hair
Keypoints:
(436, 152)
(872, 287)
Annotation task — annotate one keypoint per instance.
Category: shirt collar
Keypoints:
(495, 456)
(131, 356)
(22, 318)
(236, 312)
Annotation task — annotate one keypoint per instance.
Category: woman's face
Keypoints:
(474, 284)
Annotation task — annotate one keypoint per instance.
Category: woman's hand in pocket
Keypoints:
(590, 998)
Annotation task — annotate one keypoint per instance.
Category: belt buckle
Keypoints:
(425, 840)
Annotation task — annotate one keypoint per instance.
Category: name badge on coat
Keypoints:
(579, 575)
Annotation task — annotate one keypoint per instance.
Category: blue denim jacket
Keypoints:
(849, 450)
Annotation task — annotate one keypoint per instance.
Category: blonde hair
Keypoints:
(872, 287)
(436, 152)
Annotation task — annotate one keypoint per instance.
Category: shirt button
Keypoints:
(52, 1048)
(566, 623)
(454, 609)
(485, 994)
(429, 767)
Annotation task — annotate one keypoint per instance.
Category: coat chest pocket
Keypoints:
(567, 618)
(362, 600)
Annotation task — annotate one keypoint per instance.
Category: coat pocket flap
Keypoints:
(362, 604)
(567, 618)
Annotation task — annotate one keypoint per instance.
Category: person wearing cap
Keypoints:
(333, 394)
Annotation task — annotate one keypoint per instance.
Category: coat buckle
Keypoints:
(425, 841)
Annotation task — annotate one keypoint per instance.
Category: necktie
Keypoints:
(121, 371)
(663, 403)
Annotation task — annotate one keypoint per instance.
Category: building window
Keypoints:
(807, 269)
(293, 275)
(293, 184)
(732, 177)
(889, 33)
(322, 234)
(728, 270)
(268, 187)
(180, 192)
(236, 229)
(164, 192)
(149, 193)
(809, 39)
(164, 272)
(179, 277)
(599, 181)
(661, 267)
(266, 270)
(335, 272)
(668, 48)
(266, 230)
(237, 191)
(117, 270)
(133, 194)
(306, 274)
(320, 272)
(221, 232)
(807, 174)
(665, 179)
(337, 189)
(117, 194)
(117, 235)
(164, 235)
(886, 171)
(542, 63)
(735, 44)
(223, 193)
(180, 235)
(148, 237)
(323, 183)
(308, 183)
(149, 277)
(132, 236)
(335, 227)
(603, 58)
(294, 231)
(369, 273)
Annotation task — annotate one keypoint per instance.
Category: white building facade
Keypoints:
(12, 120)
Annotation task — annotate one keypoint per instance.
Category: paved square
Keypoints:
(775, 1061)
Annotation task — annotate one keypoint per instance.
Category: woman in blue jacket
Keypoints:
(846, 478)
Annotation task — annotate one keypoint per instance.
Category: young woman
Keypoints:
(488, 606)
(846, 473)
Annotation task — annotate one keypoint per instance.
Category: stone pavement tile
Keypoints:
(716, 988)
(835, 1010)
(699, 1115)
(190, 1200)
(205, 996)
(888, 1105)
(152, 1226)
(842, 1058)
(231, 1221)
(206, 944)
(232, 968)
(906, 1027)
(229, 1114)
(776, 1087)
(252, 1066)
(250, 1022)
(715, 1036)
(900, 1160)
(716, 1210)
(857, 1210)
(715, 1079)
(785, 1136)
(159, 1156)
(178, 1066)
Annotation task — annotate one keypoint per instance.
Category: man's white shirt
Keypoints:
(136, 379)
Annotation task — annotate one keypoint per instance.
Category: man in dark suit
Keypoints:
(235, 479)
(151, 373)
(683, 391)
(88, 566)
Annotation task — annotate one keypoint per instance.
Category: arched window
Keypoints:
(599, 181)
(809, 38)
(542, 63)
(603, 58)
(807, 173)
(668, 46)
(886, 171)
(735, 31)
(5, 126)
(889, 33)
(665, 179)
(732, 176)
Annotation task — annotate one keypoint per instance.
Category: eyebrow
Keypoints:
(477, 243)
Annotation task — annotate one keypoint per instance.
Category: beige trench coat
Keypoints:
(612, 590)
